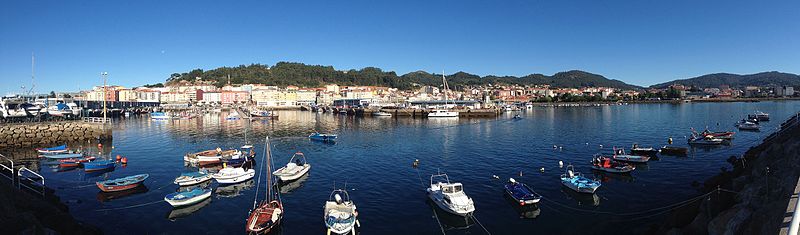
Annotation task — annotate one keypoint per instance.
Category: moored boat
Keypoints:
(675, 151)
(192, 178)
(322, 137)
(758, 115)
(186, 198)
(53, 150)
(450, 196)
(639, 150)
(121, 184)
(99, 165)
(296, 168)
(619, 155)
(159, 116)
(521, 193)
(748, 126)
(725, 135)
(232, 175)
(705, 140)
(577, 182)
(381, 114)
(268, 214)
(341, 216)
(609, 165)
(62, 156)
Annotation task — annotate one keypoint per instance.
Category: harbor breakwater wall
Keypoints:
(752, 196)
(37, 134)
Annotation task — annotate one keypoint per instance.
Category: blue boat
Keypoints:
(159, 116)
(521, 193)
(322, 137)
(53, 150)
(576, 181)
(63, 156)
(185, 198)
(99, 165)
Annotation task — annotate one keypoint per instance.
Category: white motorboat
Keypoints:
(341, 216)
(760, 116)
(438, 113)
(180, 199)
(749, 126)
(450, 196)
(381, 114)
(705, 140)
(192, 178)
(12, 108)
(232, 175)
(296, 168)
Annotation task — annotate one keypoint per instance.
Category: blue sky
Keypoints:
(639, 42)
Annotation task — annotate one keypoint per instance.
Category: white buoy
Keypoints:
(542, 169)
(560, 164)
(495, 176)
(601, 146)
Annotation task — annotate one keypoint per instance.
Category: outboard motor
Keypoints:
(337, 198)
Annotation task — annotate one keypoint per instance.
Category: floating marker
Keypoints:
(542, 170)
(560, 164)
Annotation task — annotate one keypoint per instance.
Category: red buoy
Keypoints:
(118, 157)
(99, 145)
(124, 160)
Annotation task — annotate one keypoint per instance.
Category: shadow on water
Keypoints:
(583, 199)
(109, 196)
(450, 221)
(234, 190)
(530, 211)
(608, 177)
(182, 212)
(289, 186)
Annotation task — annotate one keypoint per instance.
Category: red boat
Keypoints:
(73, 162)
(726, 135)
(121, 184)
(269, 212)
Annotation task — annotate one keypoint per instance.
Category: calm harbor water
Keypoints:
(373, 157)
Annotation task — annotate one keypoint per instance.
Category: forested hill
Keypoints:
(298, 74)
(738, 81)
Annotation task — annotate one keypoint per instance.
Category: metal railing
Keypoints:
(10, 169)
(32, 182)
(96, 120)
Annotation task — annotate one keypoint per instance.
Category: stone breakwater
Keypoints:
(36, 134)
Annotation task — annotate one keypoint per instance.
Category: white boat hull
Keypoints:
(232, 179)
(289, 176)
(441, 204)
(577, 189)
(189, 201)
(192, 181)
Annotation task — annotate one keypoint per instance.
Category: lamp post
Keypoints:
(105, 75)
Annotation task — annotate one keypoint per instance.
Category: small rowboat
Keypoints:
(577, 182)
(232, 175)
(295, 169)
(265, 217)
(606, 164)
(98, 165)
(62, 156)
(72, 162)
(705, 140)
(725, 135)
(638, 150)
(121, 184)
(675, 151)
(192, 178)
(53, 150)
(322, 137)
(521, 193)
(620, 155)
(185, 198)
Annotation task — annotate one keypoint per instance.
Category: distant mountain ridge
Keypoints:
(299, 74)
(738, 81)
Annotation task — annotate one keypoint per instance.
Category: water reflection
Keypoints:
(182, 212)
(583, 199)
(450, 221)
(109, 196)
(608, 177)
(288, 187)
(234, 190)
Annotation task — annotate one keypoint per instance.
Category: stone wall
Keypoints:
(36, 134)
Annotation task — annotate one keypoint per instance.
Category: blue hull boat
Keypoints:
(521, 193)
(577, 182)
(322, 137)
(185, 198)
(122, 184)
(63, 156)
(53, 150)
(100, 165)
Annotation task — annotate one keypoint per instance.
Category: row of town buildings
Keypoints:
(725, 91)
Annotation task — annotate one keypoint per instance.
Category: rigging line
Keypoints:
(128, 207)
(260, 171)
(655, 214)
(632, 213)
(479, 223)
(435, 215)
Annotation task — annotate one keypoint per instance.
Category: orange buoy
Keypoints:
(118, 157)
(124, 160)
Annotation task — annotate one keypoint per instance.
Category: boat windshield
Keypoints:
(453, 189)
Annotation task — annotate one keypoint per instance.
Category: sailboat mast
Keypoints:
(33, 84)
(269, 171)
(444, 83)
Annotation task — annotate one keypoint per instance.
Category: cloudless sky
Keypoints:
(639, 42)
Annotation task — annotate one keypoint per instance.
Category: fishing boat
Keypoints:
(521, 193)
(606, 164)
(232, 175)
(74, 162)
(322, 137)
(450, 196)
(381, 114)
(639, 150)
(443, 113)
(705, 140)
(748, 126)
(53, 150)
(159, 116)
(577, 182)
(341, 216)
(99, 165)
(121, 184)
(296, 168)
(725, 135)
(619, 155)
(186, 198)
(758, 115)
(192, 178)
(267, 214)
(675, 151)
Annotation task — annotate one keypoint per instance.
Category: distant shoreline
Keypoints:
(583, 103)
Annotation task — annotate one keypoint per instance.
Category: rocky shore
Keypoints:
(25, 213)
(749, 198)
(35, 134)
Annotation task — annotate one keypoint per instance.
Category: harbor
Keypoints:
(373, 147)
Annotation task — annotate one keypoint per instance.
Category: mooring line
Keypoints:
(479, 223)
(128, 207)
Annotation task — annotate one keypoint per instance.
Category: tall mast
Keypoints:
(444, 82)
(269, 171)
(33, 85)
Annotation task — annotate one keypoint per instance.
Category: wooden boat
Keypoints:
(341, 216)
(296, 168)
(186, 198)
(675, 151)
(70, 163)
(606, 164)
(619, 155)
(322, 137)
(232, 175)
(99, 165)
(192, 178)
(725, 135)
(53, 150)
(121, 184)
(577, 182)
(521, 193)
(268, 213)
(211, 157)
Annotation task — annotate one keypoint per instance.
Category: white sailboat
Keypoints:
(443, 112)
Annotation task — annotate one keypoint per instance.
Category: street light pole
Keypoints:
(105, 75)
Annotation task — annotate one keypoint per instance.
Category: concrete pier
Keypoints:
(36, 134)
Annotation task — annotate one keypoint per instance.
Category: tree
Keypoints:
(52, 94)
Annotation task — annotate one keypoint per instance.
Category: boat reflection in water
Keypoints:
(608, 177)
(190, 187)
(289, 186)
(109, 196)
(528, 211)
(93, 174)
(581, 198)
(181, 212)
(450, 221)
(234, 190)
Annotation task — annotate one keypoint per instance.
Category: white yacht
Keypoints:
(12, 108)
(450, 196)
(443, 112)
